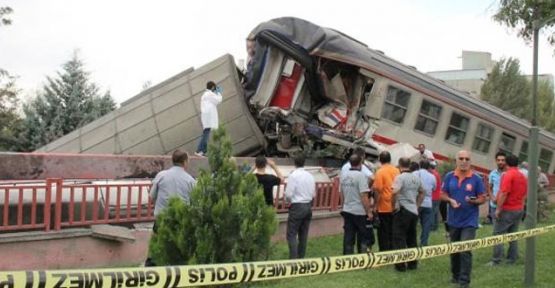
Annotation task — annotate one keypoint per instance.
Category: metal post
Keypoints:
(532, 207)
(532, 204)
(58, 205)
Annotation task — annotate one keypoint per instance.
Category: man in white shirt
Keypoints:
(209, 114)
(362, 154)
(300, 191)
(425, 154)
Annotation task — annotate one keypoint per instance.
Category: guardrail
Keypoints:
(57, 203)
(327, 197)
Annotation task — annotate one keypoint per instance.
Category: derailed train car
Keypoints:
(316, 89)
(306, 90)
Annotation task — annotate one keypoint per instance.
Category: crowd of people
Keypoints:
(397, 198)
(393, 199)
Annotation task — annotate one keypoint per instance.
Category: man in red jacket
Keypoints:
(436, 195)
(510, 208)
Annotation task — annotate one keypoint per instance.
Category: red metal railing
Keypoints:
(20, 209)
(56, 204)
(89, 204)
(327, 197)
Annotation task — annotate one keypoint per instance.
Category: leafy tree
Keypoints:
(227, 219)
(446, 166)
(520, 15)
(67, 101)
(546, 105)
(507, 89)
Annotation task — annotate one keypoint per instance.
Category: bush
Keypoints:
(227, 219)
(446, 166)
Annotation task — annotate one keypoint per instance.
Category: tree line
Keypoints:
(507, 88)
(68, 100)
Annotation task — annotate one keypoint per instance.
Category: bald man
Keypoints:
(464, 191)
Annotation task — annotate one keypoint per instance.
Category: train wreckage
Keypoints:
(311, 89)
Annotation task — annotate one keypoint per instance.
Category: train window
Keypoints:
(428, 117)
(457, 129)
(507, 143)
(545, 159)
(396, 103)
(483, 137)
(523, 155)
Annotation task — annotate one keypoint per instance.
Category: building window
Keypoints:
(523, 155)
(457, 129)
(428, 118)
(396, 103)
(507, 143)
(545, 159)
(483, 137)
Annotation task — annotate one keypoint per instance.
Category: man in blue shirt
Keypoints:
(494, 180)
(425, 212)
(464, 191)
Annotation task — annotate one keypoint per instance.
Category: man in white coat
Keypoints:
(209, 114)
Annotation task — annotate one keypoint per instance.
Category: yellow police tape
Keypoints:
(198, 275)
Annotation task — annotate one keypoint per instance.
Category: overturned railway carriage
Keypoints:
(316, 89)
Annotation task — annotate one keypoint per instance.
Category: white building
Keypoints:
(476, 66)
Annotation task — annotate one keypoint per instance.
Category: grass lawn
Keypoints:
(434, 272)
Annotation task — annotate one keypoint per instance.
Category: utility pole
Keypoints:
(533, 154)
(532, 204)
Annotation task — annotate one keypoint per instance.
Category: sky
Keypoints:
(125, 44)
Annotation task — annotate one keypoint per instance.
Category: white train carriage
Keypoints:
(318, 88)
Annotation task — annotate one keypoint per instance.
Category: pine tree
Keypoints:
(10, 122)
(68, 101)
(227, 219)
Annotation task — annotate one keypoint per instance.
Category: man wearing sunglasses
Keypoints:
(464, 191)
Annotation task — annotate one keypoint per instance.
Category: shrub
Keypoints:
(227, 219)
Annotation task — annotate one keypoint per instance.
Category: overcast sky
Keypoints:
(126, 43)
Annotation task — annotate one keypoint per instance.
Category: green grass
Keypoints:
(434, 272)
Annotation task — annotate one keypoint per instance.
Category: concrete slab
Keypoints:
(73, 146)
(175, 136)
(171, 97)
(151, 146)
(97, 135)
(107, 146)
(176, 114)
(137, 134)
(133, 105)
(111, 232)
(137, 115)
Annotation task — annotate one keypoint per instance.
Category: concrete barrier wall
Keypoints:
(79, 248)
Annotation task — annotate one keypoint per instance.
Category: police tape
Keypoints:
(214, 274)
